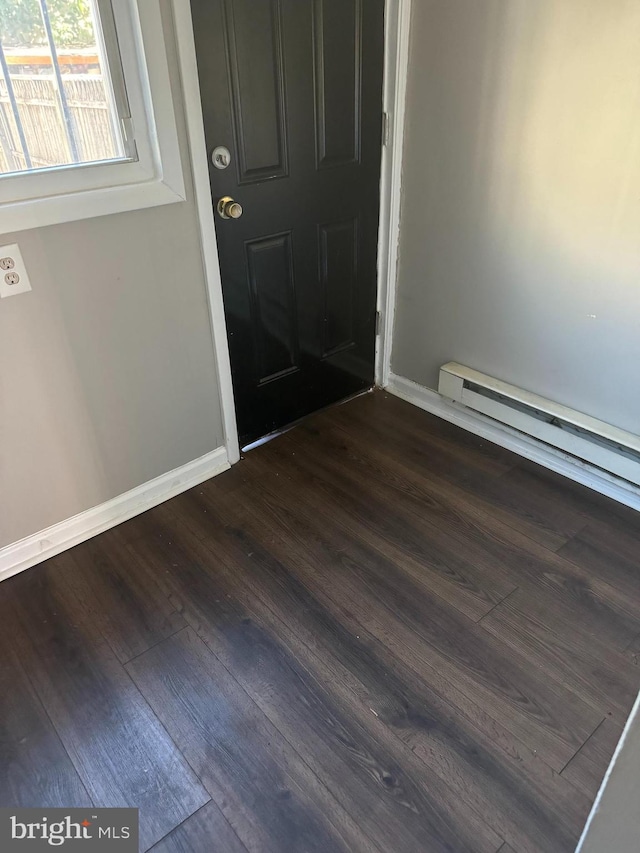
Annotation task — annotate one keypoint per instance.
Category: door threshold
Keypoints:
(270, 436)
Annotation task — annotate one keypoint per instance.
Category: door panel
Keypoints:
(293, 88)
(274, 317)
(338, 70)
(254, 39)
(339, 268)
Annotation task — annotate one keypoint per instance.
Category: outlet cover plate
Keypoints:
(18, 269)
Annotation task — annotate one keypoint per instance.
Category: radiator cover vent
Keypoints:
(594, 441)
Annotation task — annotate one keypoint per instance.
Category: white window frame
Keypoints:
(81, 191)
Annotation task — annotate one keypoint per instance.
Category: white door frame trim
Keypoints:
(396, 68)
(186, 50)
(397, 20)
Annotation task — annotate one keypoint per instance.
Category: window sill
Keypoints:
(38, 213)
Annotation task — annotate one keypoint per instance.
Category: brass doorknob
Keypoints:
(229, 209)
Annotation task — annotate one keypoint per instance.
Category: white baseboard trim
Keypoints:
(47, 543)
(524, 445)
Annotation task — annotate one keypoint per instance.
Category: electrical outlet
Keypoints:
(13, 273)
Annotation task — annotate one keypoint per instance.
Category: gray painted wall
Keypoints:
(108, 374)
(520, 230)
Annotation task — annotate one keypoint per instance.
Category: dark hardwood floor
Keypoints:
(376, 633)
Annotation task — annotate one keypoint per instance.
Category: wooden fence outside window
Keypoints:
(43, 124)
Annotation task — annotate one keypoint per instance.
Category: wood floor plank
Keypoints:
(381, 585)
(130, 609)
(632, 651)
(490, 770)
(516, 495)
(35, 770)
(585, 773)
(206, 830)
(416, 543)
(527, 503)
(603, 742)
(497, 547)
(594, 507)
(449, 450)
(587, 769)
(403, 505)
(398, 807)
(121, 752)
(609, 553)
(497, 550)
(268, 795)
(390, 608)
(602, 677)
(486, 669)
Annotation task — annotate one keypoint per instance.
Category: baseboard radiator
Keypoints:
(586, 438)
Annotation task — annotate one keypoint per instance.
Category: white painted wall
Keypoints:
(108, 375)
(520, 223)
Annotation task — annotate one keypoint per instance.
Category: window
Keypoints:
(58, 102)
(76, 78)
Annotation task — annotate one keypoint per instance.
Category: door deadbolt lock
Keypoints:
(221, 157)
(229, 209)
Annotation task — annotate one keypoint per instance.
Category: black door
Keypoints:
(293, 90)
